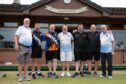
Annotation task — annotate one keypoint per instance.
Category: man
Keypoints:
(52, 53)
(23, 41)
(66, 54)
(36, 56)
(93, 49)
(106, 50)
(80, 50)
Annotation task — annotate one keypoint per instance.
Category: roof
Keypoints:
(19, 8)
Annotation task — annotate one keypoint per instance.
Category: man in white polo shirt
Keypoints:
(106, 50)
(23, 41)
(66, 39)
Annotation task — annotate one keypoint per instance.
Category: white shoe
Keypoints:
(62, 74)
(20, 79)
(68, 74)
(101, 76)
(26, 78)
(110, 77)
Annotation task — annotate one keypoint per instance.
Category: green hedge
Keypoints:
(45, 68)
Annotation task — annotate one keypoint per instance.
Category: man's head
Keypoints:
(93, 28)
(26, 22)
(52, 27)
(80, 28)
(65, 28)
(104, 28)
(37, 26)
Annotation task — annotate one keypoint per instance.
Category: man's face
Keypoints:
(26, 22)
(37, 27)
(93, 28)
(52, 27)
(104, 28)
(80, 28)
(64, 28)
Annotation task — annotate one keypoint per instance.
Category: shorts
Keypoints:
(24, 54)
(93, 55)
(50, 55)
(80, 56)
(66, 56)
(36, 52)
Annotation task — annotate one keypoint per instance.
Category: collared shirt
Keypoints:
(94, 41)
(106, 39)
(65, 41)
(80, 41)
(25, 35)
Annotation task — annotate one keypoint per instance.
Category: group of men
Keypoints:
(79, 46)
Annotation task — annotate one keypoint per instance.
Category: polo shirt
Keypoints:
(80, 41)
(65, 41)
(106, 39)
(94, 41)
(25, 35)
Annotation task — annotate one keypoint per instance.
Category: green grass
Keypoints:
(119, 77)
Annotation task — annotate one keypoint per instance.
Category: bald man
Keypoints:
(66, 55)
(23, 42)
(93, 49)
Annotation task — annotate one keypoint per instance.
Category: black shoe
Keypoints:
(17, 74)
(40, 75)
(76, 74)
(81, 73)
(85, 72)
(49, 74)
(89, 73)
(4, 75)
(54, 75)
(95, 73)
(34, 75)
(29, 73)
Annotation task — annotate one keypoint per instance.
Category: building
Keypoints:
(59, 12)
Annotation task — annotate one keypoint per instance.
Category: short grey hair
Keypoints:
(103, 25)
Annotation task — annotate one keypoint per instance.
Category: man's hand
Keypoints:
(17, 48)
(74, 31)
(113, 52)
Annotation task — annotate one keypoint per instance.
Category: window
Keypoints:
(7, 37)
(10, 24)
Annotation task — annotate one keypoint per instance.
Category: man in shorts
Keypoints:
(36, 56)
(80, 50)
(52, 53)
(23, 42)
(66, 54)
(93, 49)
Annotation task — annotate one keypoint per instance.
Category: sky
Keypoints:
(103, 3)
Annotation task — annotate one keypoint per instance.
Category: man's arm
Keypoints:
(113, 47)
(16, 42)
(43, 37)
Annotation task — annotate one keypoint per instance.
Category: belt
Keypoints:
(24, 45)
